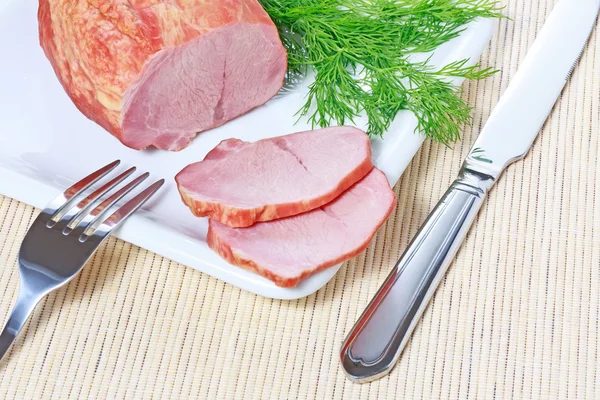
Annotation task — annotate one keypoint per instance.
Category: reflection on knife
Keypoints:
(376, 341)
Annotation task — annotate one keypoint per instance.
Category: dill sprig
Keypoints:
(361, 52)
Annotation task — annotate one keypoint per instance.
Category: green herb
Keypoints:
(361, 53)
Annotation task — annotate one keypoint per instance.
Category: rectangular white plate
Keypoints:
(46, 145)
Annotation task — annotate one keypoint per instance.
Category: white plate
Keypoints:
(46, 144)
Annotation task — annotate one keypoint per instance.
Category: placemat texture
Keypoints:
(517, 316)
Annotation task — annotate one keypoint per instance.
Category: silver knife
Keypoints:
(375, 342)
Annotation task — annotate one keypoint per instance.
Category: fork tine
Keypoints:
(57, 205)
(91, 217)
(69, 214)
(101, 229)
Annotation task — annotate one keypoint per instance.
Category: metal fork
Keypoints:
(65, 235)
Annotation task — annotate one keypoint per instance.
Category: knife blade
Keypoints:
(532, 92)
(376, 341)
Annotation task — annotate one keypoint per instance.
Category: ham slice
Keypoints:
(291, 249)
(239, 183)
(157, 72)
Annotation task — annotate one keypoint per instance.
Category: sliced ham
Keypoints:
(291, 249)
(157, 72)
(239, 183)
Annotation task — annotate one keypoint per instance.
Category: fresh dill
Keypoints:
(360, 51)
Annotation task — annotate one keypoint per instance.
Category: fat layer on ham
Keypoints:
(157, 72)
(291, 249)
(239, 183)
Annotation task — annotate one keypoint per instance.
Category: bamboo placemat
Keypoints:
(516, 317)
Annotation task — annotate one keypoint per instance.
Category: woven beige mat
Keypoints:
(516, 317)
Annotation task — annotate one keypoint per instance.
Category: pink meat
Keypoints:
(239, 183)
(291, 249)
(157, 72)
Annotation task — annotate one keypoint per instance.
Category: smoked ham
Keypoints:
(291, 249)
(240, 183)
(157, 72)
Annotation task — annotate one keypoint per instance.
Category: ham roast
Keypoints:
(156, 72)
(239, 183)
(290, 249)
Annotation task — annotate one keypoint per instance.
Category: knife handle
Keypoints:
(375, 342)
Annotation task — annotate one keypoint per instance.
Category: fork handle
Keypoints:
(21, 312)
